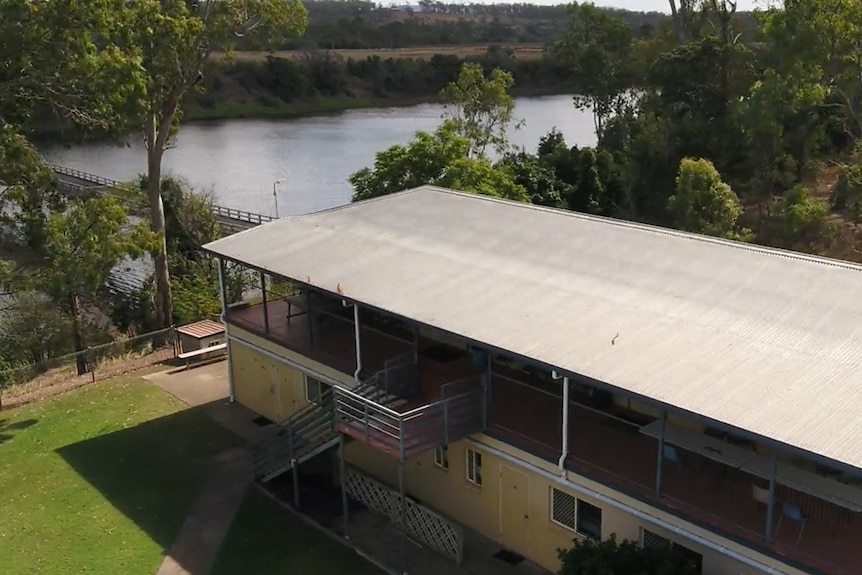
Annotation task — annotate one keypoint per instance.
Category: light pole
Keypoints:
(275, 194)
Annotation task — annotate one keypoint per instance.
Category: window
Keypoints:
(474, 467)
(441, 456)
(576, 515)
(651, 540)
(589, 520)
(313, 389)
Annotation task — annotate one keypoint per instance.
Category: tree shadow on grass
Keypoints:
(8, 429)
(153, 472)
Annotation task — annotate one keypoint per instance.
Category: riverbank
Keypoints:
(234, 110)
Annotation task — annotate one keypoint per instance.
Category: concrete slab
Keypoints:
(380, 538)
(207, 387)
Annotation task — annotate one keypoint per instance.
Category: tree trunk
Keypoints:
(78, 336)
(678, 24)
(164, 303)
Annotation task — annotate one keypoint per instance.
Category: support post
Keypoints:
(309, 313)
(660, 455)
(223, 295)
(770, 506)
(294, 464)
(265, 309)
(489, 392)
(342, 470)
(403, 517)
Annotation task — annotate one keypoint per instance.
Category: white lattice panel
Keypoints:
(421, 523)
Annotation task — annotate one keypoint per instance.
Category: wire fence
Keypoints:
(24, 383)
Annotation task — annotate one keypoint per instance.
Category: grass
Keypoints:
(521, 51)
(100, 480)
(266, 539)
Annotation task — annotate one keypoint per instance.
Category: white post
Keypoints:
(275, 194)
(223, 295)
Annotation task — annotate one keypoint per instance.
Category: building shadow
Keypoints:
(9, 429)
(153, 472)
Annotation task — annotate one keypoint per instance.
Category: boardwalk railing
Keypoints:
(86, 177)
(241, 215)
(233, 220)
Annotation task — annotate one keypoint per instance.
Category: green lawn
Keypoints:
(265, 539)
(100, 480)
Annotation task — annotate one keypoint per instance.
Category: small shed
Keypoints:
(200, 335)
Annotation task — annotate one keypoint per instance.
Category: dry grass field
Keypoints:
(522, 51)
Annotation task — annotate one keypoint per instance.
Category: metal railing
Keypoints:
(424, 427)
(86, 177)
(241, 215)
(292, 438)
(232, 215)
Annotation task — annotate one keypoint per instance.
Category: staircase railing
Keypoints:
(293, 437)
(414, 431)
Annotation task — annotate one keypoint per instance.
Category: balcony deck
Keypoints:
(614, 452)
(609, 449)
(421, 421)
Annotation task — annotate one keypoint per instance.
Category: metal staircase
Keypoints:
(308, 432)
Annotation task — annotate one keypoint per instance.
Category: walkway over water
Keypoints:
(75, 183)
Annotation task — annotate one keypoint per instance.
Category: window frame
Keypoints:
(474, 467)
(308, 380)
(441, 457)
(578, 529)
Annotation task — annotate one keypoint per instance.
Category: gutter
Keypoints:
(626, 508)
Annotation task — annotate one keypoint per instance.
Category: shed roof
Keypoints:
(202, 329)
(759, 339)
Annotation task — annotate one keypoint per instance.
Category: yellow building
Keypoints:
(539, 376)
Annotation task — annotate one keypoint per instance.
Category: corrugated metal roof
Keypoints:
(764, 340)
(202, 329)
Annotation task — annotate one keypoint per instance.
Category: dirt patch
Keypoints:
(63, 379)
(521, 51)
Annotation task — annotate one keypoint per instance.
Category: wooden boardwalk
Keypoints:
(75, 183)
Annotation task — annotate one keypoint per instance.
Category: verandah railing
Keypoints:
(405, 434)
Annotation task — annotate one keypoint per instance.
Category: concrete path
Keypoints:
(195, 549)
(206, 387)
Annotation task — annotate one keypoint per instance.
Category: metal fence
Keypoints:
(21, 383)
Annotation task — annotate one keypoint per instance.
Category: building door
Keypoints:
(514, 509)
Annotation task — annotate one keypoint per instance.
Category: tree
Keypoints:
(176, 38)
(597, 49)
(590, 557)
(65, 59)
(440, 158)
(480, 108)
(818, 41)
(703, 203)
(83, 244)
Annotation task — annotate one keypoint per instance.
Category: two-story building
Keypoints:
(540, 375)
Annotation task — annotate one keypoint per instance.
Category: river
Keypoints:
(238, 160)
